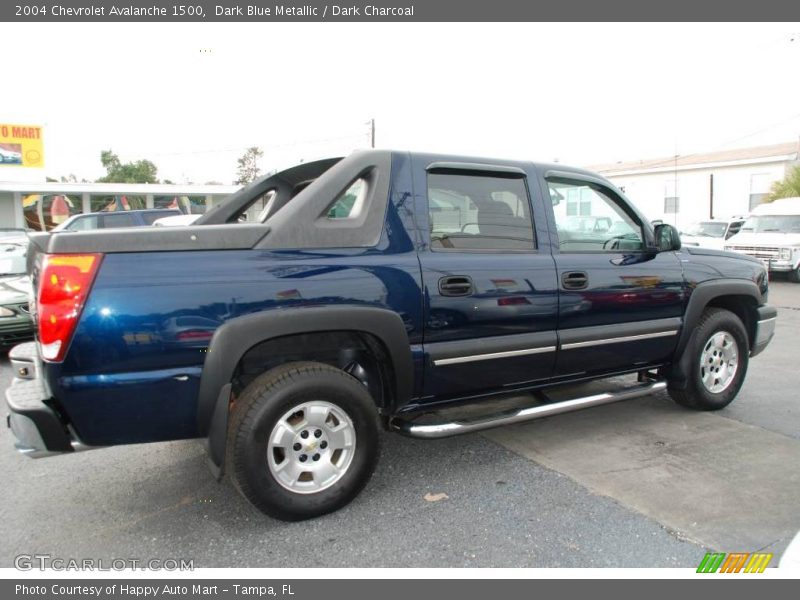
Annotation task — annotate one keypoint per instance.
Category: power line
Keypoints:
(669, 161)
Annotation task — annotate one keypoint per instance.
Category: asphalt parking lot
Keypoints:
(642, 483)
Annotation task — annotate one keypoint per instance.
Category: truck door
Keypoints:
(620, 302)
(491, 297)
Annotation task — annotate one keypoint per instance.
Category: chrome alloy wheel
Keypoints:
(719, 362)
(311, 447)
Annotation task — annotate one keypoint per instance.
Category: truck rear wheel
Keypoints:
(718, 358)
(303, 440)
(794, 275)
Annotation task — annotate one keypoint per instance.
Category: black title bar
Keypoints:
(397, 10)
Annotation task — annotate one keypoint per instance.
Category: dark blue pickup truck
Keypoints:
(385, 289)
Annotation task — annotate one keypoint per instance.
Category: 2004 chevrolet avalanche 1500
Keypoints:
(366, 292)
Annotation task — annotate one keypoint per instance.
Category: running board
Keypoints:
(441, 430)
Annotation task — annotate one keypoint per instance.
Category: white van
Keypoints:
(772, 234)
(713, 233)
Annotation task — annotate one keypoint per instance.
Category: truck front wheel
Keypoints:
(718, 358)
(303, 440)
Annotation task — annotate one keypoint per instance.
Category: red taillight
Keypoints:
(64, 283)
(194, 335)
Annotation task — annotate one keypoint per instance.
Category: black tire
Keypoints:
(696, 395)
(794, 276)
(264, 403)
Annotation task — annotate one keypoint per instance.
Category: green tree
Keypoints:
(248, 169)
(788, 187)
(141, 171)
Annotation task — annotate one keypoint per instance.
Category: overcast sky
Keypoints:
(192, 97)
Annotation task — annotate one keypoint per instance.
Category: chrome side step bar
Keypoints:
(41, 453)
(441, 430)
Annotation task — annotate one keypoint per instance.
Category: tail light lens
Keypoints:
(64, 283)
(192, 335)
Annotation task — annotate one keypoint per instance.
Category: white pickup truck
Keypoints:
(772, 234)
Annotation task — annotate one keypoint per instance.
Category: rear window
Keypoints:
(118, 220)
(349, 204)
(151, 217)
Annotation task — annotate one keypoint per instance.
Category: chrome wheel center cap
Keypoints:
(719, 362)
(311, 447)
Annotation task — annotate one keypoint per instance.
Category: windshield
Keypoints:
(12, 258)
(707, 229)
(773, 224)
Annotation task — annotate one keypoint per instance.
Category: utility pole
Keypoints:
(675, 184)
(711, 196)
(372, 133)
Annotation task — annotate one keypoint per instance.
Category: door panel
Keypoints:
(491, 298)
(502, 334)
(620, 302)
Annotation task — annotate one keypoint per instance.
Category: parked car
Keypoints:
(772, 235)
(711, 233)
(15, 290)
(176, 220)
(289, 340)
(13, 234)
(189, 331)
(10, 156)
(116, 219)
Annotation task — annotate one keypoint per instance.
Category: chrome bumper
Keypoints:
(38, 430)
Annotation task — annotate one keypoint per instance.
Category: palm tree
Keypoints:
(789, 187)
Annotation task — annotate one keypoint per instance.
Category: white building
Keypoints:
(684, 189)
(37, 205)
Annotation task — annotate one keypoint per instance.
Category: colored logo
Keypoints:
(735, 562)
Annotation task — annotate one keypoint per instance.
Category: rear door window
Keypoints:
(479, 212)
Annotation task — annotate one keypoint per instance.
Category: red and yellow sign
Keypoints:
(21, 145)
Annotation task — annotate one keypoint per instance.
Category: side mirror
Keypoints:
(667, 238)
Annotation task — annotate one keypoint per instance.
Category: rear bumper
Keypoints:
(765, 328)
(37, 426)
